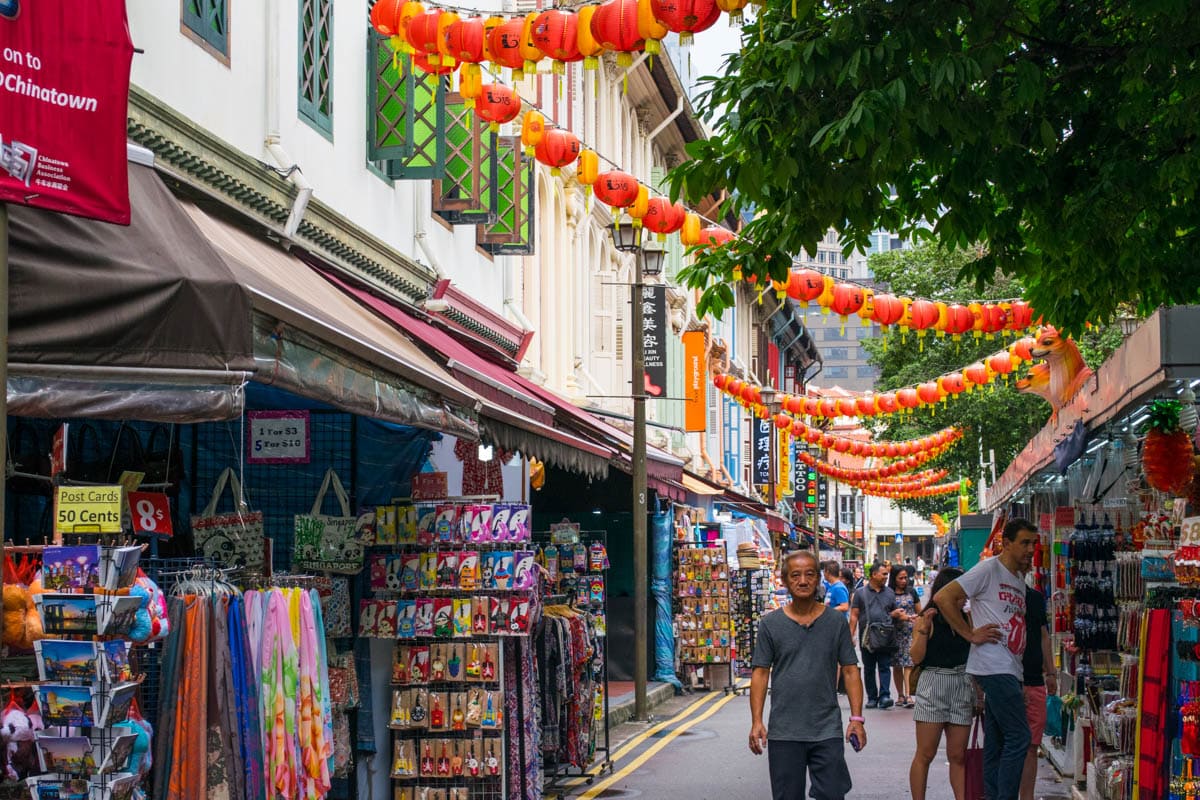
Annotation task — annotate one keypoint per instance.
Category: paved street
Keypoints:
(703, 756)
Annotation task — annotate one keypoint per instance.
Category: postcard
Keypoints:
(52, 787)
(117, 614)
(118, 787)
(66, 705)
(119, 566)
(69, 754)
(116, 709)
(75, 567)
(114, 757)
(114, 657)
(66, 660)
(67, 613)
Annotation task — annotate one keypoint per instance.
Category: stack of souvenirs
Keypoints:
(703, 604)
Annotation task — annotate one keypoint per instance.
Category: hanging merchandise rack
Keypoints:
(703, 607)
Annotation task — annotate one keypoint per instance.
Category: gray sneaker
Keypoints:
(886, 703)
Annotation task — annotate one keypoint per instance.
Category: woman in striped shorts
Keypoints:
(946, 697)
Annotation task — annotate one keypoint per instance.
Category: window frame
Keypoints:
(193, 27)
(309, 110)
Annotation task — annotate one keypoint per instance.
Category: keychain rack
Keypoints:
(713, 593)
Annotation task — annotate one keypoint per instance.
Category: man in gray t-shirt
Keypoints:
(797, 651)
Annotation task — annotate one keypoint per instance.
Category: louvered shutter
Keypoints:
(512, 232)
(406, 126)
(467, 192)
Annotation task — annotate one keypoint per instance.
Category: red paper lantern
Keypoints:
(464, 40)
(1023, 348)
(686, 17)
(720, 379)
(783, 422)
(795, 405)
(923, 315)
(812, 406)
(977, 374)
(1001, 363)
(847, 299)
(557, 149)
(497, 104)
(615, 27)
(616, 188)
(828, 408)
(866, 406)
(663, 216)
(556, 33)
(1020, 315)
(847, 407)
(841, 445)
(908, 398)
(891, 451)
(888, 309)
(958, 320)
(887, 403)
(504, 43)
(715, 236)
(995, 319)
(928, 392)
(826, 441)
(805, 285)
(423, 35)
(385, 17)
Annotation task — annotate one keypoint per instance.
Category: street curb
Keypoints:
(621, 712)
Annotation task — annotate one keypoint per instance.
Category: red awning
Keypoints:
(518, 407)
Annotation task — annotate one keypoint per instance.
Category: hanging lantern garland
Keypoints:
(929, 491)
(898, 467)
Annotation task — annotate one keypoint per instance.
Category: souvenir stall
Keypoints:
(1113, 485)
(753, 595)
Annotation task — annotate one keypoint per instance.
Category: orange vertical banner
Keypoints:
(695, 382)
(784, 470)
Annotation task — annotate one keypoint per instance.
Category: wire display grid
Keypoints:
(279, 491)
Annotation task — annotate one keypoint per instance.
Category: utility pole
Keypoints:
(641, 709)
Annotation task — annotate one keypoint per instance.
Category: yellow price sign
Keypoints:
(87, 509)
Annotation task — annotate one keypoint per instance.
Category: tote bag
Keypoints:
(973, 764)
(234, 539)
(327, 543)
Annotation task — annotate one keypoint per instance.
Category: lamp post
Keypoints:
(770, 400)
(627, 238)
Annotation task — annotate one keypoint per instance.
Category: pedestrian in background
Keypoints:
(946, 695)
(996, 589)
(798, 651)
(848, 581)
(836, 595)
(873, 615)
(907, 601)
(1040, 679)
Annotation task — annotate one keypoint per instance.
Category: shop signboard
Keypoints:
(760, 446)
(64, 88)
(150, 514)
(695, 382)
(278, 437)
(654, 339)
(784, 470)
(822, 496)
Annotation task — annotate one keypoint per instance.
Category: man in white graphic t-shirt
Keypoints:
(996, 589)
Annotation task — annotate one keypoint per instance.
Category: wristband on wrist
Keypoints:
(858, 719)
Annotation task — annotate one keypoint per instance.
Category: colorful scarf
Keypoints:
(1150, 780)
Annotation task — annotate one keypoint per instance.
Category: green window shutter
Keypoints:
(466, 195)
(209, 19)
(513, 231)
(406, 125)
(316, 64)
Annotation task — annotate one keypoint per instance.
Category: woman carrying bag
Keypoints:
(945, 696)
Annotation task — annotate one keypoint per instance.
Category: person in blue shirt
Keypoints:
(837, 596)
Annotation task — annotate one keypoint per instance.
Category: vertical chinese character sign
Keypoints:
(761, 451)
(695, 382)
(64, 89)
(654, 339)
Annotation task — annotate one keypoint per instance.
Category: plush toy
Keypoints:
(22, 625)
(16, 731)
(143, 626)
(141, 758)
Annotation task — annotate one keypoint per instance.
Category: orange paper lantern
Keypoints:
(663, 217)
(497, 104)
(615, 27)
(557, 149)
(424, 35)
(504, 44)
(888, 309)
(616, 188)
(530, 52)
(385, 17)
(589, 47)
(556, 33)
(463, 40)
(847, 299)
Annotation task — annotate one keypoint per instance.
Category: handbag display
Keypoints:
(234, 539)
(326, 543)
(973, 764)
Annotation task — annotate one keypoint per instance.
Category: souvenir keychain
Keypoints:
(551, 557)
(492, 763)
(473, 763)
(458, 719)
(426, 760)
(488, 670)
(416, 714)
(443, 764)
(437, 717)
(473, 662)
(597, 557)
(580, 558)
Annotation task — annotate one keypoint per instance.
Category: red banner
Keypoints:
(64, 90)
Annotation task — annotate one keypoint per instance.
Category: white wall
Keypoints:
(232, 103)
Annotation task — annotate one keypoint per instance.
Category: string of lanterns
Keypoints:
(850, 474)
(954, 487)
(926, 394)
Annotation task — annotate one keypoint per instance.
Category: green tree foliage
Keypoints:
(999, 417)
(1063, 137)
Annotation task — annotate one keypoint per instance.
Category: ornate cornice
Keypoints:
(199, 159)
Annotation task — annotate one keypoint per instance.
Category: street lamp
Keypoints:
(627, 238)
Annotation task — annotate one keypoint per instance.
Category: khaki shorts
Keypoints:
(945, 696)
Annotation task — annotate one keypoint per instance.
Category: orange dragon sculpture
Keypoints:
(1062, 372)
